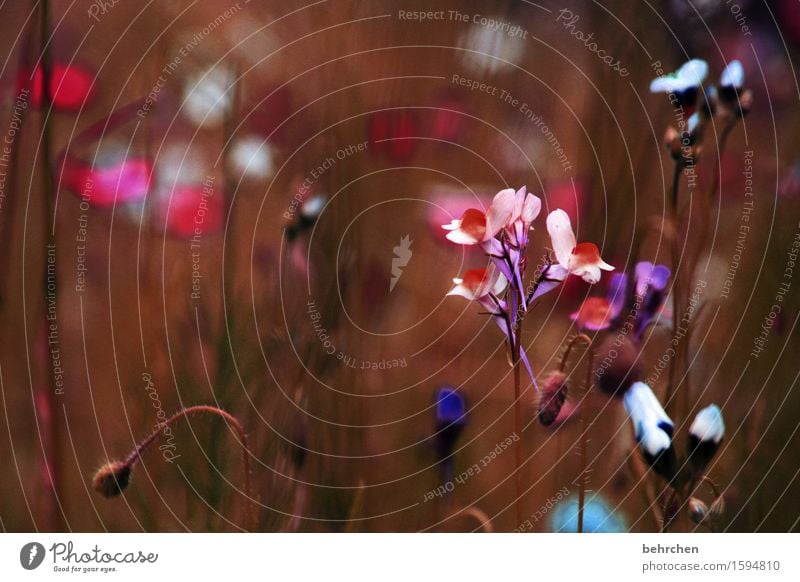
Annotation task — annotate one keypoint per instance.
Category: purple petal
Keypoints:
(616, 293)
(523, 356)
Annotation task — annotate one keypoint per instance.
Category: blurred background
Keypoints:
(239, 204)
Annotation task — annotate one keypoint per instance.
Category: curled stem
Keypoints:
(113, 478)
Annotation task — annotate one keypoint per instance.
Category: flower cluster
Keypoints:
(653, 430)
(502, 232)
(729, 101)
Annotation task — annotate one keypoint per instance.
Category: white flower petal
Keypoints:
(733, 75)
(562, 238)
(708, 425)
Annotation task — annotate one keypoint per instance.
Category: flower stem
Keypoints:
(584, 443)
(136, 454)
(517, 422)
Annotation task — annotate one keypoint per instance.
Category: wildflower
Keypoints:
(126, 181)
(482, 285)
(451, 417)
(650, 285)
(581, 259)
(683, 83)
(697, 510)
(552, 397)
(618, 364)
(307, 215)
(251, 157)
(705, 435)
(653, 429)
(71, 86)
(476, 227)
(732, 98)
(208, 97)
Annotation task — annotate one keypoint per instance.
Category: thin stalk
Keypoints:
(136, 454)
(517, 419)
(52, 443)
(584, 444)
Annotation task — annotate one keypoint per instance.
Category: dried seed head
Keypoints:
(112, 478)
(617, 365)
(697, 510)
(553, 395)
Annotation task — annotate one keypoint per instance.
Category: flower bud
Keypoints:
(697, 510)
(451, 416)
(552, 397)
(617, 365)
(652, 429)
(705, 436)
(112, 478)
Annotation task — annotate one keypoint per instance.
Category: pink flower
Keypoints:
(581, 259)
(476, 227)
(526, 209)
(479, 285)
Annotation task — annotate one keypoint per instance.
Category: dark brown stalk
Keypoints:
(48, 400)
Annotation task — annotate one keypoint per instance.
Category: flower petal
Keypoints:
(562, 238)
(531, 208)
(470, 229)
(500, 212)
(594, 314)
(733, 75)
(586, 263)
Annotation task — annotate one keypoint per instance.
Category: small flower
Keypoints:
(594, 314)
(732, 76)
(581, 259)
(683, 83)
(476, 227)
(552, 397)
(618, 366)
(526, 208)
(652, 428)
(705, 436)
(112, 479)
(697, 510)
(251, 157)
(451, 417)
(732, 97)
(479, 285)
